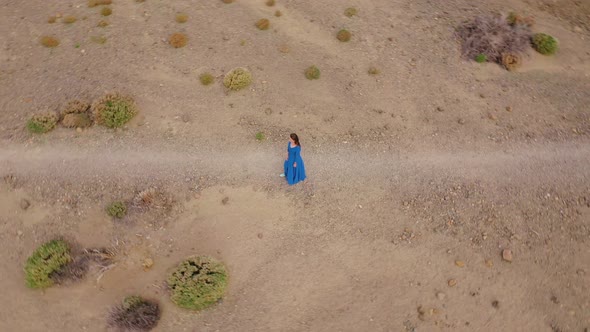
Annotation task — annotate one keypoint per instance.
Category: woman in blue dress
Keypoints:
(294, 167)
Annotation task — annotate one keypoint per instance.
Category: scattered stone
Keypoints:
(554, 299)
(19, 233)
(481, 95)
(147, 263)
(508, 109)
(441, 296)
(577, 29)
(496, 304)
(452, 282)
(460, 263)
(461, 121)
(440, 109)
(260, 235)
(225, 200)
(421, 313)
(489, 263)
(507, 255)
(492, 116)
(24, 204)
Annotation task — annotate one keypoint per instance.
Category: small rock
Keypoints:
(260, 235)
(440, 109)
(440, 295)
(452, 282)
(147, 263)
(508, 109)
(461, 121)
(507, 255)
(489, 263)
(225, 200)
(495, 304)
(460, 263)
(78, 130)
(577, 29)
(481, 95)
(24, 204)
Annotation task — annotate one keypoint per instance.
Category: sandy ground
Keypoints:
(433, 161)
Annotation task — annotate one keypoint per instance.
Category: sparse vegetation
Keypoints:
(114, 110)
(178, 40)
(181, 18)
(492, 36)
(373, 71)
(117, 209)
(75, 107)
(152, 198)
(260, 136)
(312, 73)
(270, 3)
(206, 78)
(106, 11)
(102, 24)
(350, 12)
(98, 39)
(343, 35)
(515, 19)
(278, 13)
(48, 259)
(94, 3)
(51, 19)
(263, 24)
(511, 61)
(237, 79)
(481, 58)
(48, 41)
(42, 123)
(544, 44)
(69, 19)
(197, 282)
(135, 314)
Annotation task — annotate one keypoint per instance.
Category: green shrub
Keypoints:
(237, 79)
(344, 35)
(197, 282)
(544, 44)
(117, 209)
(46, 260)
(263, 24)
(114, 110)
(350, 12)
(312, 73)
(481, 58)
(206, 78)
(135, 314)
(260, 136)
(106, 11)
(42, 122)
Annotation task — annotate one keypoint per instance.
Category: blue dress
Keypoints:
(294, 174)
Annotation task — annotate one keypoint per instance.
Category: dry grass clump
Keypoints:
(511, 61)
(82, 260)
(76, 106)
(350, 12)
(492, 36)
(544, 44)
(135, 314)
(102, 24)
(106, 11)
(343, 35)
(114, 110)
(373, 71)
(263, 24)
(516, 19)
(178, 40)
(48, 41)
(98, 39)
(312, 73)
(51, 19)
(237, 79)
(42, 123)
(197, 282)
(181, 18)
(206, 78)
(94, 3)
(69, 19)
(270, 3)
(75, 115)
(278, 13)
(152, 198)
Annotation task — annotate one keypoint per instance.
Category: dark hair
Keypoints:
(295, 138)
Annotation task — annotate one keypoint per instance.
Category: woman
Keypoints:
(294, 168)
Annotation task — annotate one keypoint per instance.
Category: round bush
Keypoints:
(206, 78)
(114, 110)
(544, 44)
(197, 282)
(117, 209)
(48, 259)
(312, 73)
(181, 18)
(106, 11)
(135, 314)
(237, 79)
(178, 40)
(511, 61)
(48, 41)
(263, 24)
(69, 19)
(350, 12)
(42, 122)
(344, 35)
(481, 58)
